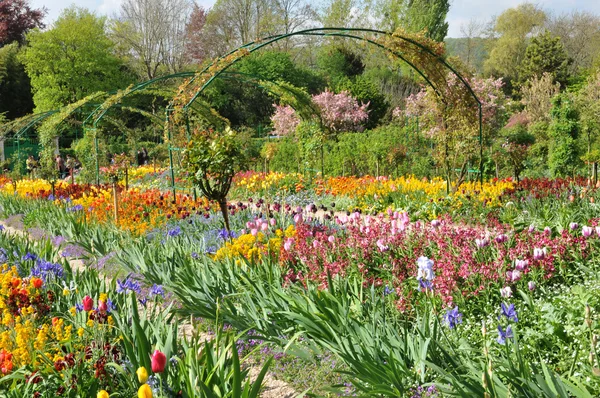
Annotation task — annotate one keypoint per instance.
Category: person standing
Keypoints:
(146, 157)
(31, 164)
(70, 168)
(60, 166)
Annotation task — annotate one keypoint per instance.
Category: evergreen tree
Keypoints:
(545, 54)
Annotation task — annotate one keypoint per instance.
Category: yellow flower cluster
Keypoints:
(254, 247)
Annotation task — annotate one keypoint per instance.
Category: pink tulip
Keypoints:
(88, 303)
(273, 222)
(254, 231)
(531, 285)
(102, 307)
(331, 239)
(288, 244)
(158, 361)
(587, 231)
(435, 223)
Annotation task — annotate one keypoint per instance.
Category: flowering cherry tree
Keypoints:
(338, 113)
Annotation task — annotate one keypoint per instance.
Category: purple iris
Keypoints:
(503, 335)
(509, 312)
(157, 290)
(453, 317)
(128, 285)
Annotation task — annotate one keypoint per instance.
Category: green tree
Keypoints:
(427, 15)
(545, 54)
(212, 159)
(71, 60)
(15, 88)
(512, 29)
(563, 156)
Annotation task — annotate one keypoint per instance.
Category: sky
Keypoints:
(461, 11)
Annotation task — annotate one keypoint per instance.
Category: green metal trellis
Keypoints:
(336, 32)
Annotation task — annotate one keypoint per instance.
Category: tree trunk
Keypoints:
(225, 212)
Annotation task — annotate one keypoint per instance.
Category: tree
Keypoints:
(580, 34)
(545, 54)
(212, 159)
(588, 104)
(153, 32)
(471, 51)
(414, 16)
(427, 15)
(16, 19)
(71, 60)
(563, 130)
(231, 23)
(512, 29)
(453, 126)
(15, 88)
(537, 95)
(195, 43)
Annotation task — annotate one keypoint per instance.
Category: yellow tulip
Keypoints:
(102, 394)
(145, 391)
(142, 374)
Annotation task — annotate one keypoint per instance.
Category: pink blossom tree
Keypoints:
(337, 112)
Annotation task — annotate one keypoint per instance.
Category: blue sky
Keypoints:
(461, 11)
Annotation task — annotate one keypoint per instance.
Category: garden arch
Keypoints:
(424, 56)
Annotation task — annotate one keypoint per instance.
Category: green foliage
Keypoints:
(563, 158)
(513, 27)
(243, 102)
(428, 16)
(15, 87)
(71, 60)
(545, 54)
(85, 151)
(212, 159)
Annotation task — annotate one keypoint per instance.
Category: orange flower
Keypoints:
(36, 282)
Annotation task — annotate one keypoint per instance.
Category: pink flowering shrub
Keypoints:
(284, 120)
(339, 113)
(384, 252)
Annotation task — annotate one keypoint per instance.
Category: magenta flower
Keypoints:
(531, 285)
(501, 238)
(435, 223)
(539, 254)
(513, 276)
(521, 264)
(587, 231)
(547, 231)
(481, 243)
(573, 226)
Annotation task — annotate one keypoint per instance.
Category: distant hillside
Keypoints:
(474, 56)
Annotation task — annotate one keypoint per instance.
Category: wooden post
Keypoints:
(115, 203)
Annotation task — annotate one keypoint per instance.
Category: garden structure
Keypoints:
(186, 107)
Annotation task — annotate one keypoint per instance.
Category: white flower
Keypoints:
(506, 292)
(425, 270)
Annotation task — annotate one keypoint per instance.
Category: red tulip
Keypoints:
(88, 303)
(102, 307)
(158, 361)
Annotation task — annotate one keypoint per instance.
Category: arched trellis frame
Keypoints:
(421, 54)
